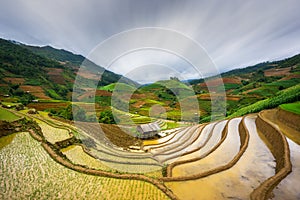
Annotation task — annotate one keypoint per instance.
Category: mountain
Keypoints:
(46, 72)
(73, 60)
(60, 55)
(243, 87)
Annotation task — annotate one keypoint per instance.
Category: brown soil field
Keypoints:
(208, 96)
(218, 81)
(278, 71)
(233, 98)
(138, 104)
(90, 92)
(59, 79)
(55, 75)
(36, 91)
(54, 71)
(14, 80)
(43, 106)
(290, 77)
(103, 93)
(138, 96)
(88, 75)
(112, 132)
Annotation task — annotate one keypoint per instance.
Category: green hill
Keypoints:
(56, 54)
(289, 95)
(46, 72)
(120, 86)
(73, 60)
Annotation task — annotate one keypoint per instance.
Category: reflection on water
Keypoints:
(170, 133)
(225, 152)
(196, 167)
(288, 188)
(256, 165)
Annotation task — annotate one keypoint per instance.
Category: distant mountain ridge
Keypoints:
(56, 54)
(47, 69)
(287, 62)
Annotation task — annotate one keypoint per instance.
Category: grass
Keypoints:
(171, 84)
(6, 140)
(119, 86)
(103, 100)
(265, 91)
(7, 116)
(285, 83)
(171, 125)
(229, 86)
(141, 119)
(52, 101)
(10, 104)
(289, 95)
(53, 94)
(24, 161)
(291, 107)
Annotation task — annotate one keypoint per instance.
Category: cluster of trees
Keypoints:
(20, 61)
(15, 90)
(74, 112)
(77, 113)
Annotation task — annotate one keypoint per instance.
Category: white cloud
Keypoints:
(234, 33)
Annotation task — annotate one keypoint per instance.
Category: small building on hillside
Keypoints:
(148, 130)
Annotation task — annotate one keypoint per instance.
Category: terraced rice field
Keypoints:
(241, 158)
(76, 155)
(238, 158)
(7, 116)
(28, 172)
(36, 91)
(53, 134)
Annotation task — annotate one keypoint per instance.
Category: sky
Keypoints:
(232, 33)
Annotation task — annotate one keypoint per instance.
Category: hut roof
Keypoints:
(149, 127)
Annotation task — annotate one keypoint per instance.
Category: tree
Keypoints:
(175, 78)
(79, 114)
(107, 117)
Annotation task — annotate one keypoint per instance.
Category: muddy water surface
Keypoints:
(195, 167)
(226, 151)
(202, 139)
(289, 187)
(256, 165)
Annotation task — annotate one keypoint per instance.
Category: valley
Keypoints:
(237, 140)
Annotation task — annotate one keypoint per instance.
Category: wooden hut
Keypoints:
(148, 130)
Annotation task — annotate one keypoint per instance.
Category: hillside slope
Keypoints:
(46, 72)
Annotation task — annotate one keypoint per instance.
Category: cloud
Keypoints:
(234, 33)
